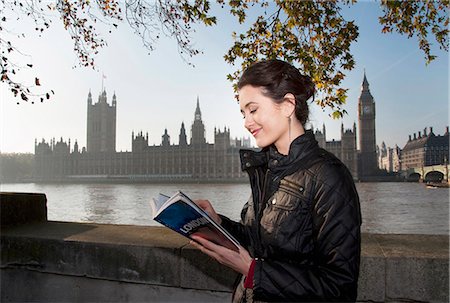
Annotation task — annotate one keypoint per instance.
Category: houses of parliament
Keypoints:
(192, 159)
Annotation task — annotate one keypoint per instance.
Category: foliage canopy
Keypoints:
(313, 35)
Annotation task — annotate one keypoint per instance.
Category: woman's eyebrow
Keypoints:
(250, 103)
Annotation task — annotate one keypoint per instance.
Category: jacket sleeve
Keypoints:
(333, 274)
(237, 230)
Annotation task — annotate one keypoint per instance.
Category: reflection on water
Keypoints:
(386, 207)
(101, 203)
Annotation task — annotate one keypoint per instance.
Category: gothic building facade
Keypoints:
(101, 124)
(389, 158)
(362, 163)
(345, 149)
(192, 158)
(193, 161)
(367, 138)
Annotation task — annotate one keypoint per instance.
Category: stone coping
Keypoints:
(138, 262)
(379, 245)
(403, 267)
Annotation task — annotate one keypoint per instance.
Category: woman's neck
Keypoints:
(296, 131)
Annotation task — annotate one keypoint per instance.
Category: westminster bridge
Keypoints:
(432, 173)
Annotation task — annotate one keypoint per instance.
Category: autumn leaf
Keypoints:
(24, 97)
(312, 35)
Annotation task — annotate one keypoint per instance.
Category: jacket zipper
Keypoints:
(259, 209)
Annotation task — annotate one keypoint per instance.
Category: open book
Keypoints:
(182, 215)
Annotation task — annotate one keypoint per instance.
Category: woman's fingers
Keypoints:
(206, 247)
(224, 255)
(207, 207)
(206, 243)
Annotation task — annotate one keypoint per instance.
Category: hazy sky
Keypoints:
(159, 90)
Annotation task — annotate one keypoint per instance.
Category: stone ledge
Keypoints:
(41, 261)
(21, 208)
(393, 267)
(153, 255)
(45, 287)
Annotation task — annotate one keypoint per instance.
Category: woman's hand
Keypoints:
(207, 207)
(239, 261)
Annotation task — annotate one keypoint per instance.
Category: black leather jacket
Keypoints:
(301, 224)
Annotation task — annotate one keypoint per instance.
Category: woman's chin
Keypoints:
(261, 144)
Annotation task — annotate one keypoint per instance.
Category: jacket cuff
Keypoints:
(248, 282)
(226, 222)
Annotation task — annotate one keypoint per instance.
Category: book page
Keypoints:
(182, 215)
(157, 204)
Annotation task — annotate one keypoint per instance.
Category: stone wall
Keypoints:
(61, 261)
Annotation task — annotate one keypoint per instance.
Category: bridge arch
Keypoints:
(414, 177)
(433, 176)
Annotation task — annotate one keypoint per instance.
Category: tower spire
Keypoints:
(103, 79)
(89, 100)
(182, 137)
(198, 113)
(198, 129)
(365, 83)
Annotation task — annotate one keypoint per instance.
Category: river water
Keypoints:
(401, 208)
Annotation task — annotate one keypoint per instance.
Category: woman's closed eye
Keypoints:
(251, 112)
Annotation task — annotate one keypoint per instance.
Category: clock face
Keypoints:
(366, 109)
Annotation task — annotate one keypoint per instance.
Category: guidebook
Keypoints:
(182, 215)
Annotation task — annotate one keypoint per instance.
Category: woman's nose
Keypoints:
(248, 121)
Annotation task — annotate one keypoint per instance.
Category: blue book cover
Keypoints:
(182, 215)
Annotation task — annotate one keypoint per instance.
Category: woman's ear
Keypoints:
(288, 105)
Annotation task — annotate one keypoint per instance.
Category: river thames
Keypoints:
(387, 208)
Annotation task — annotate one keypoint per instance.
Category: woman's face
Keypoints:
(263, 118)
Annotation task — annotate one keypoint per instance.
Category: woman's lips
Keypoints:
(255, 132)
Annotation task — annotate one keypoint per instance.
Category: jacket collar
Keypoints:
(279, 164)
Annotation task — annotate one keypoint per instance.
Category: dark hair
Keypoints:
(277, 78)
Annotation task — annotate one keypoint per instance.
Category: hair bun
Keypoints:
(308, 85)
(279, 78)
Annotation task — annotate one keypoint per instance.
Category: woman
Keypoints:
(300, 229)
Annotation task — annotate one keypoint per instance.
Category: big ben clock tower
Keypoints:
(367, 139)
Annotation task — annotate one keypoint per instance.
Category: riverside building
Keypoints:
(344, 149)
(425, 149)
(421, 150)
(362, 163)
(192, 159)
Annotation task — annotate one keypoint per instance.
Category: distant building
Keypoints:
(367, 165)
(193, 159)
(362, 163)
(345, 149)
(101, 124)
(389, 158)
(197, 160)
(425, 149)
